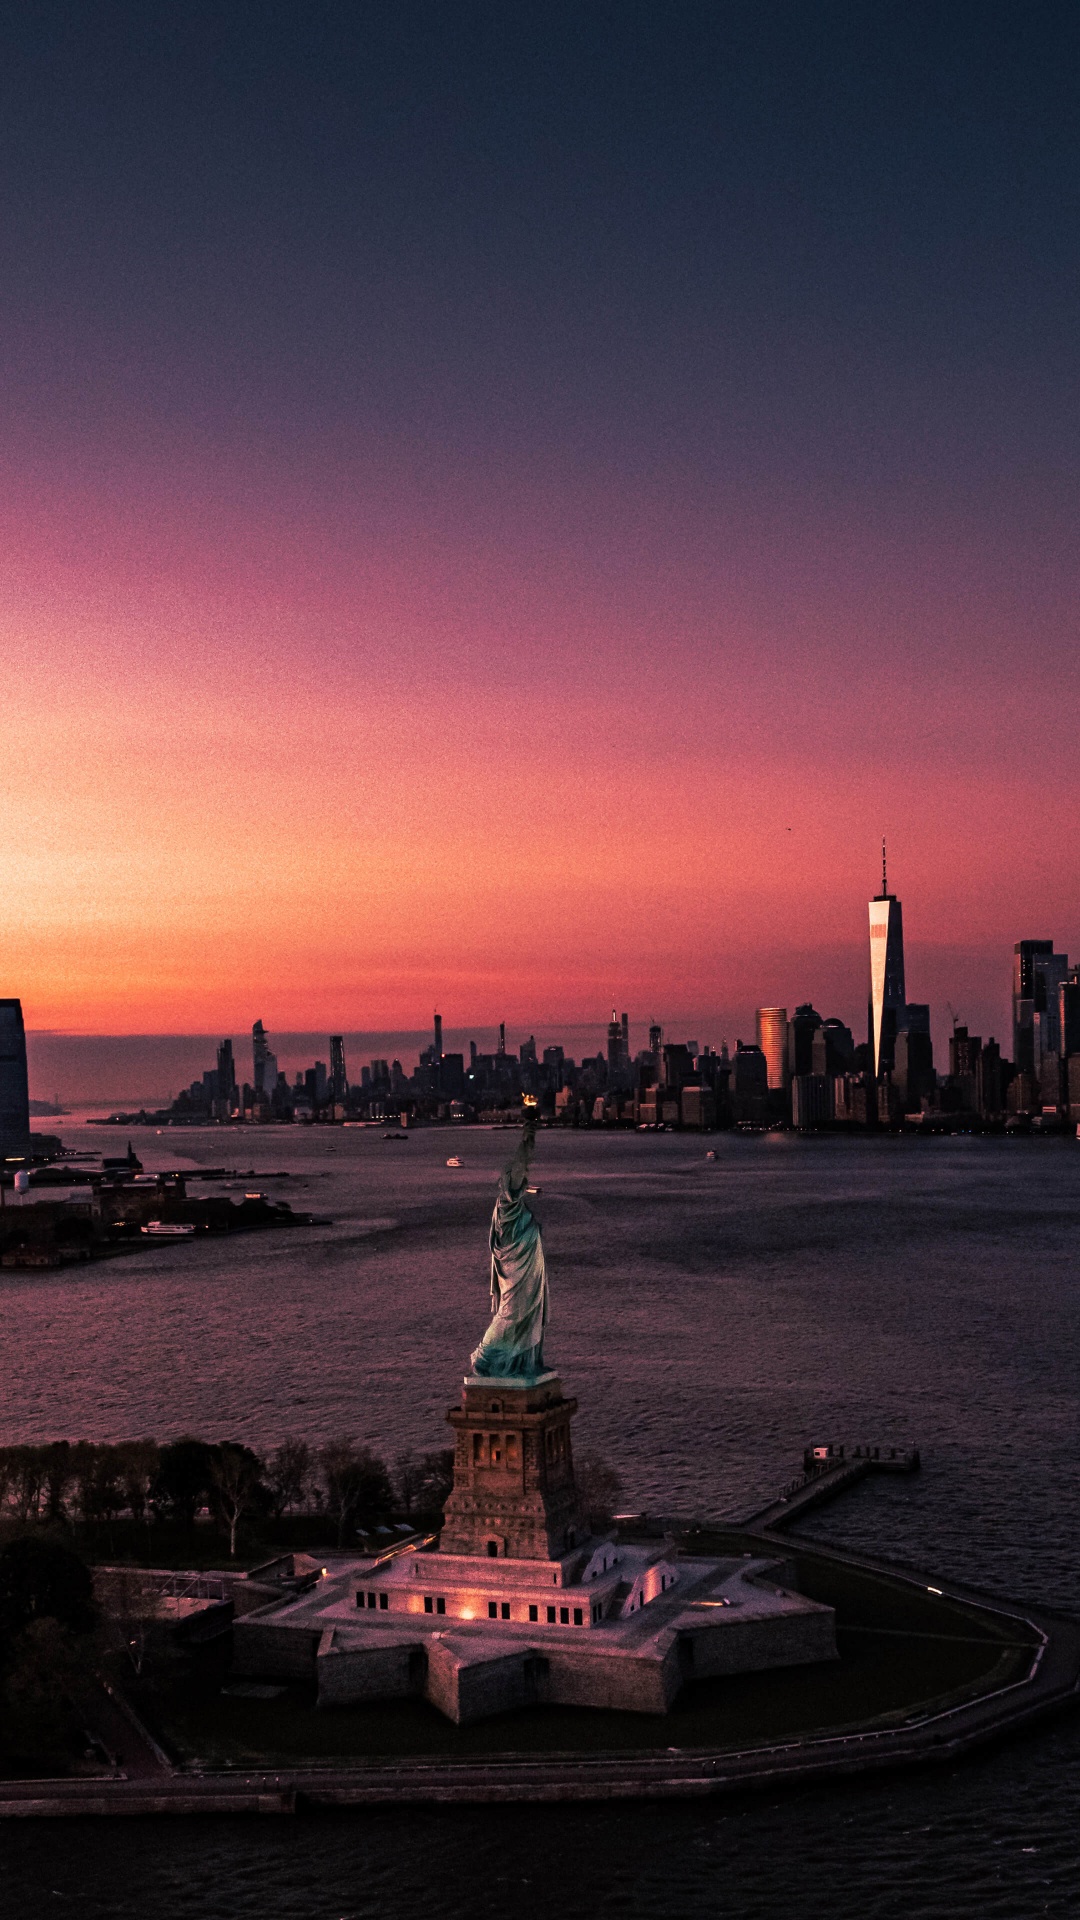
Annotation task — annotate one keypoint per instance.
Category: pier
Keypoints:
(827, 1470)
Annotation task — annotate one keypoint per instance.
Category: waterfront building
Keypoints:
(226, 1080)
(618, 1058)
(749, 1086)
(14, 1083)
(989, 1082)
(1038, 973)
(771, 1024)
(913, 1073)
(803, 1025)
(887, 990)
(812, 1101)
(832, 1048)
(258, 1060)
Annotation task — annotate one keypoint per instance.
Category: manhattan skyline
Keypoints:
(502, 512)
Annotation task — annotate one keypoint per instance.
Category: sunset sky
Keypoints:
(502, 507)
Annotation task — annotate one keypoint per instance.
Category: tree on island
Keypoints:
(185, 1478)
(423, 1483)
(288, 1475)
(46, 1644)
(357, 1485)
(236, 1475)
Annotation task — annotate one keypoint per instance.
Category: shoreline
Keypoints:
(1051, 1685)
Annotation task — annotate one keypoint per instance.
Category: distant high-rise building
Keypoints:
(656, 1039)
(772, 1039)
(226, 1079)
(803, 1025)
(259, 1050)
(502, 1037)
(1038, 972)
(887, 991)
(832, 1049)
(339, 1084)
(626, 1034)
(14, 1083)
(438, 1038)
(1069, 1015)
(616, 1053)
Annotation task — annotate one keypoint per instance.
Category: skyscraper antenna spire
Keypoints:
(884, 875)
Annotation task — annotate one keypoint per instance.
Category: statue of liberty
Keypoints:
(513, 1346)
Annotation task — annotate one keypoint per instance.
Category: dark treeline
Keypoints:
(90, 1486)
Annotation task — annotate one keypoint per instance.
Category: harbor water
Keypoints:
(712, 1317)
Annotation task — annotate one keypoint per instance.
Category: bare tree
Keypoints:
(28, 1480)
(237, 1476)
(289, 1475)
(357, 1484)
(137, 1466)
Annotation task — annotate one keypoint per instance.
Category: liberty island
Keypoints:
(518, 1602)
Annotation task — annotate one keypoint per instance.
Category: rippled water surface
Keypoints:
(711, 1317)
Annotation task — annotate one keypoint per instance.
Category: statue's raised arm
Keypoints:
(513, 1346)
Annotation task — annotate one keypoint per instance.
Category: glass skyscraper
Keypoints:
(14, 1084)
(887, 990)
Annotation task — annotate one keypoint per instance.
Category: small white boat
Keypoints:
(169, 1229)
(454, 1161)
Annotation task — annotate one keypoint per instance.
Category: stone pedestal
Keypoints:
(514, 1495)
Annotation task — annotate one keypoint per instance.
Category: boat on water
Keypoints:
(169, 1229)
(455, 1161)
(395, 1136)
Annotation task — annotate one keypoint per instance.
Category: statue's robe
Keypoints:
(513, 1345)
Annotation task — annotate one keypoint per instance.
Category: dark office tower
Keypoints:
(964, 1051)
(989, 1082)
(259, 1052)
(656, 1039)
(626, 1034)
(1038, 972)
(887, 992)
(832, 1049)
(802, 1027)
(339, 1085)
(226, 1077)
(913, 1073)
(502, 1037)
(1069, 1014)
(438, 1038)
(14, 1084)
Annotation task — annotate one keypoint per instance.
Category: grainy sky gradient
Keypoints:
(503, 506)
